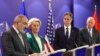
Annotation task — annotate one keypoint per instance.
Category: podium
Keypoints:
(57, 52)
(86, 50)
(94, 50)
(79, 51)
(97, 50)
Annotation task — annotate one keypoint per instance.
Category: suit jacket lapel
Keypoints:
(17, 39)
(93, 35)
(63, 32)
(87, 33)
(71, 33)
(65, 39)
(25, 40)
(89, 37)
(35, 42)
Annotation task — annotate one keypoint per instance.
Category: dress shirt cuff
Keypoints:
(29, 55)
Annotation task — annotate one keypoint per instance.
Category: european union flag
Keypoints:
(23, 9)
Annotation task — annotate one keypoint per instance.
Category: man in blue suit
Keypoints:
(67, 35)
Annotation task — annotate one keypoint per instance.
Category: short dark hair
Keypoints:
(68, 13)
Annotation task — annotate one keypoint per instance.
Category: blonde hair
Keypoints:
(33, 19)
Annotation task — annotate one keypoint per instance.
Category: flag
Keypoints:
(49, 37)
(97, 24)
(50, 26)
(23, 9)
(24, 12)
(3, 27)
(7, 26)
(48, 47)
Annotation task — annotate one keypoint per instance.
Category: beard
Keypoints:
(22, 30)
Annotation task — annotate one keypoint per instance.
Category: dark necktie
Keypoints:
(67, 32)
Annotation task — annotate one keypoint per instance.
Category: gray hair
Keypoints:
(90, 18)
(18, 18)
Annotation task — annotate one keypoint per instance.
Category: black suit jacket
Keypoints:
(12, 45)
(86, 39)
(61, 41)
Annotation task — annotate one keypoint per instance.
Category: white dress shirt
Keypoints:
(69, 30)
(39, 42)
(20, 36)
(90, 31)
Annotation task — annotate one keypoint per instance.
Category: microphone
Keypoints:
(76, 45)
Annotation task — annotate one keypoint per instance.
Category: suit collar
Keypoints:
(35, 41)
(17, 39)
(69, 27)
(15, 29)
(71, 31)
(87, 31)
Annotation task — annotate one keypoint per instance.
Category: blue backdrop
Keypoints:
(39, 8)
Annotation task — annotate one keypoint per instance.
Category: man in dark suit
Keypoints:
(89, 35)
(66, 36)
(14, 41)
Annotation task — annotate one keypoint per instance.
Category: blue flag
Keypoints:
(23, 9)
(3, 27)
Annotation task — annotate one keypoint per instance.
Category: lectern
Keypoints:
(57, 53)
(79, 51)
(94, 50)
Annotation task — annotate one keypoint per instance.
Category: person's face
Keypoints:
(90, 23)
(22, 25)
(67, 20)
(35, 26)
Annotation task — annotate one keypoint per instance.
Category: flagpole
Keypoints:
(50, 5)
(49, 30)
(95, 7)
(23, 0)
